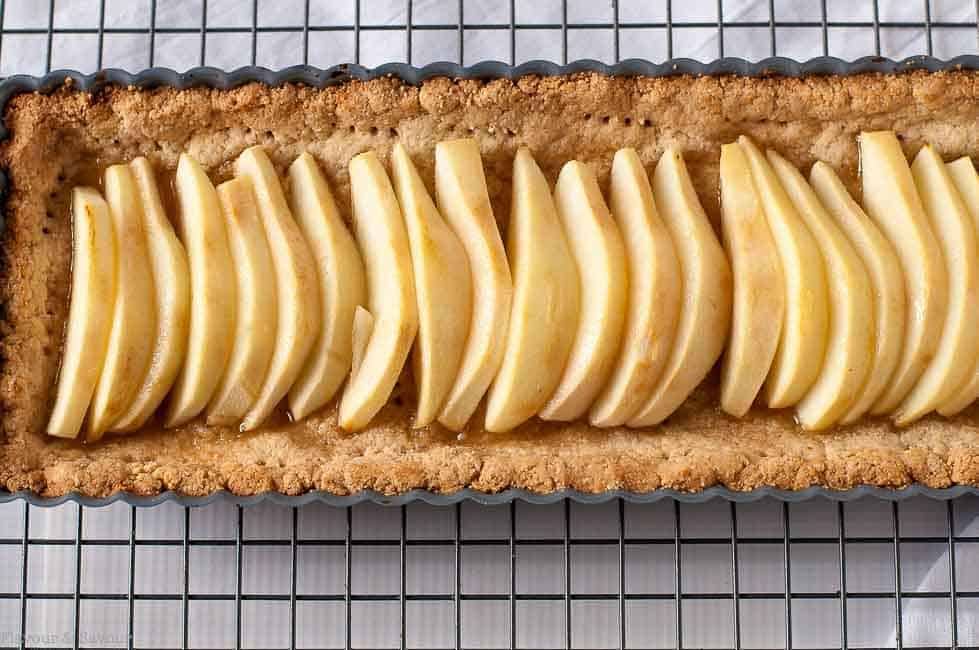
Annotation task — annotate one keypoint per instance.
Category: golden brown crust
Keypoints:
(57, 141)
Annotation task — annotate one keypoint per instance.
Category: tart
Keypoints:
(719, 154)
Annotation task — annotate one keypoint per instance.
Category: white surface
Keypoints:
(159, 569)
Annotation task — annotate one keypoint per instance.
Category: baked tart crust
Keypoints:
(65, 138)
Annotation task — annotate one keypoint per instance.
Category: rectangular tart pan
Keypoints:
(487, 70)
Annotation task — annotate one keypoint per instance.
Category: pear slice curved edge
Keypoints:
(886, 282)
(93, 289)
(759, 291)
(296, 285)
(802, 343)
(443, 287)
(892, 201)
(361, 328)
(342, 283)
(127, 355)
(958, 345)
(963, 175)
(256, 308)
(212, 292)
(599, 254)
(463, 199)
(849, 343)
(380, 231)
(705, 316)
(171, 283)
(544, 313)
(655, 289)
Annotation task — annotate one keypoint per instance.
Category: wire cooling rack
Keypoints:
(815, 574)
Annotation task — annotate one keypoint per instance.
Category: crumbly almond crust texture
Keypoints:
(65, 138)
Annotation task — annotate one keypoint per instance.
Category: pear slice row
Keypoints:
(615, 312)
(879, 307)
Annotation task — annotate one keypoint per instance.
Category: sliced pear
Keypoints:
(545, 302)
(380, 231)
(363, 325)
(598, 251)
(443, 287)
(802, 343)
(886, 283)
(958, 345)
(460, 188)
(171, 283)
(655, 289)
(296, 283)
(256, 308)
(892, 201)
(850, 342)
(93, 289)
(342, 284)
(127, 355)
(212, 293)
(706, 313)
(759, 291)
(963, 174)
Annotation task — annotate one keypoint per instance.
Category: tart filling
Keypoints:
(802, 331)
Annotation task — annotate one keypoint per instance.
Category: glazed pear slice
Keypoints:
(296, 284)
(963, 175)
(850, 342)
(212, 293)
(598, 251)
(342, 285)
(256, 309)
(655, 289)
(93, 289)
(545, 308)
(892, 201)
(127, 355)
(460, 188)
(759, 291)
(380, 231)
(802, 343)
(886, 284)
(958, 345)
(706, 313)
(443, 287)
(171, 283)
